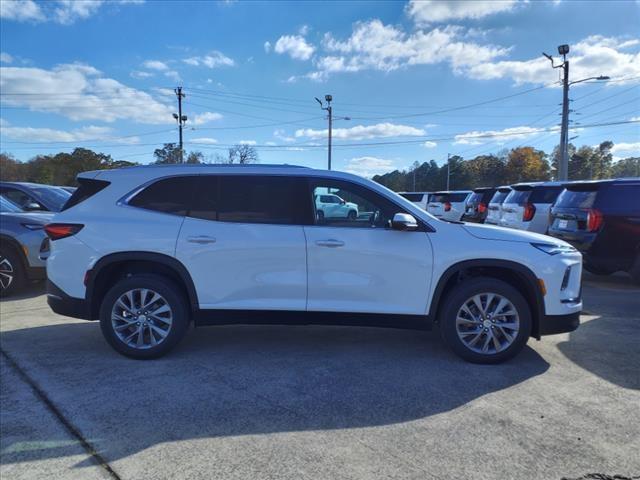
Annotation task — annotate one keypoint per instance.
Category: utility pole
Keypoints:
(448, 169)
(181, 119)
(563, 165)
(328, 99)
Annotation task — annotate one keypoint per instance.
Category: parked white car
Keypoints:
(421, 199)
(449, 205)
(332, 206)
(495, 205)
(528, 206)
(147, 250)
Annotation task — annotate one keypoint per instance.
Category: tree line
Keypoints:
(62, 168)
(508, 167)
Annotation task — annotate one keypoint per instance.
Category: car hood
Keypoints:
(27, 217)
(493, 232)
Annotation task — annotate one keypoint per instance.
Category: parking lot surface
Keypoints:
(247, 402)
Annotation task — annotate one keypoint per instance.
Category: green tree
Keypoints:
(169, 153)
(11, 170)
(526, 164)
(243, 153)
(627, 167)
(195, 157)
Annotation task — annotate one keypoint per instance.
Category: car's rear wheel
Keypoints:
(352, 215)
(485, 320)
(12, 273)
(144, 316)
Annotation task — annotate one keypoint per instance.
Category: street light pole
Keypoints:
(328, 99)
(448, 169)
(563, 164)
(181, 119)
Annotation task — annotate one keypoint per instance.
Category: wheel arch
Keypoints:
(122, 264)
(520, 276)
(16, 247)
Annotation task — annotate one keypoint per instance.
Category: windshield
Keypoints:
(8, 206)
(55, 197)
(518, 197)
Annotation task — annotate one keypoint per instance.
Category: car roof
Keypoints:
(614, 181)
(25, 184)
(446, 192)
(527, 185)
(483, 189)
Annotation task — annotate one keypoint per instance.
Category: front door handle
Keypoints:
(201, 239)
(331, 243)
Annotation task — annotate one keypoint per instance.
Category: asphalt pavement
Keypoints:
(252, 402)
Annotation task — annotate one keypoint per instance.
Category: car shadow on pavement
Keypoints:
(32, 290)
(607, 347)
(249, 380)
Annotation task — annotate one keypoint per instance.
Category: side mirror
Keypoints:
(31, 206)
(343, 202)
(404, 221)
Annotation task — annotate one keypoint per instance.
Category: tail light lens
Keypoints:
(447, 206)
(56, 231)
(482, 207)
(529, 212)
(594, 220)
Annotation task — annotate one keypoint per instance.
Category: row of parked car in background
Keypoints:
(601, 218)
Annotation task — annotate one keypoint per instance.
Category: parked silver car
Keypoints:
(32, 197)
(21, 236)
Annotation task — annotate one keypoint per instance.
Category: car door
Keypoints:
(22, 199)
(244, 244)
(361, 264)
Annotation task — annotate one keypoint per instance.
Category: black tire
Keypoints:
(12, 271)
(460, 294)
(320, 216)
(352, 215)
(597, 270)
(174, 298)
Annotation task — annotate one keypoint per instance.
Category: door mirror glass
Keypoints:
(404, 221)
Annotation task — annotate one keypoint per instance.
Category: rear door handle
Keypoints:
(331, 243)
(201, 239)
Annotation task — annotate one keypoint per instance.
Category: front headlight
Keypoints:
(554, 249)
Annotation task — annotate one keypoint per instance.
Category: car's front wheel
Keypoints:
(485, 320)
(12, 274)
(144, 316)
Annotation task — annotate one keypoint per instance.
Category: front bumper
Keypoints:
(63, 304)
(553, 324)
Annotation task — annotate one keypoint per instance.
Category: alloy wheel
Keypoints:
(487, 323)
(141, 318)
(7, 273)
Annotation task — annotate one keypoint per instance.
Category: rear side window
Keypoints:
(264, 199)
(499, 196)
(413, 197)
(577, 198)
(458, 197)
(622, 197)
(88, 187)
(170, 195)
(519, 197)
(545, 194)
(440, 198)
(475, 198)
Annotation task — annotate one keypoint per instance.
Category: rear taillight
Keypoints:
(447, 206)
(529, 212)
(594, 219)
(482, 207)
(56, 231)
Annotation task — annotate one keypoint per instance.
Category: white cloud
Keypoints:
(21, 11)
(64, 12)
(376, 46)
(282, 136)
(295, 46)
(634, 119)
(627, 149)
(205, 140)
(206, 117)
(5, 58)
(88, 133)
(593, 56)
(429, 144)
(247, 142)
(361, 132)
(90, 95)
(155, 65)
(304, 30)
(497, 136)
(267, 46)
(212, 60)
(369, 166)
(140, 74)
(429, 11)
(173, 75)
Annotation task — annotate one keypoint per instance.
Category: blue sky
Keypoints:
(101, 74)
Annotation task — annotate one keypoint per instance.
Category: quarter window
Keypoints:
(170, 195)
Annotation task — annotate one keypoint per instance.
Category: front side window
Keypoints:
(352, 206)
(22, 199)
(170, 195)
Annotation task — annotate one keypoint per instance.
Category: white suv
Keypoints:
(332, 206)
(449, 205)
(528, 206)
(147, 250)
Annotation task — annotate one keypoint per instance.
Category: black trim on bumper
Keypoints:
(552, 324)
(36, 273)
(63, 304)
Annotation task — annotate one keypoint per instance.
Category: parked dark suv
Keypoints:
(602, 220)
(477, 206)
